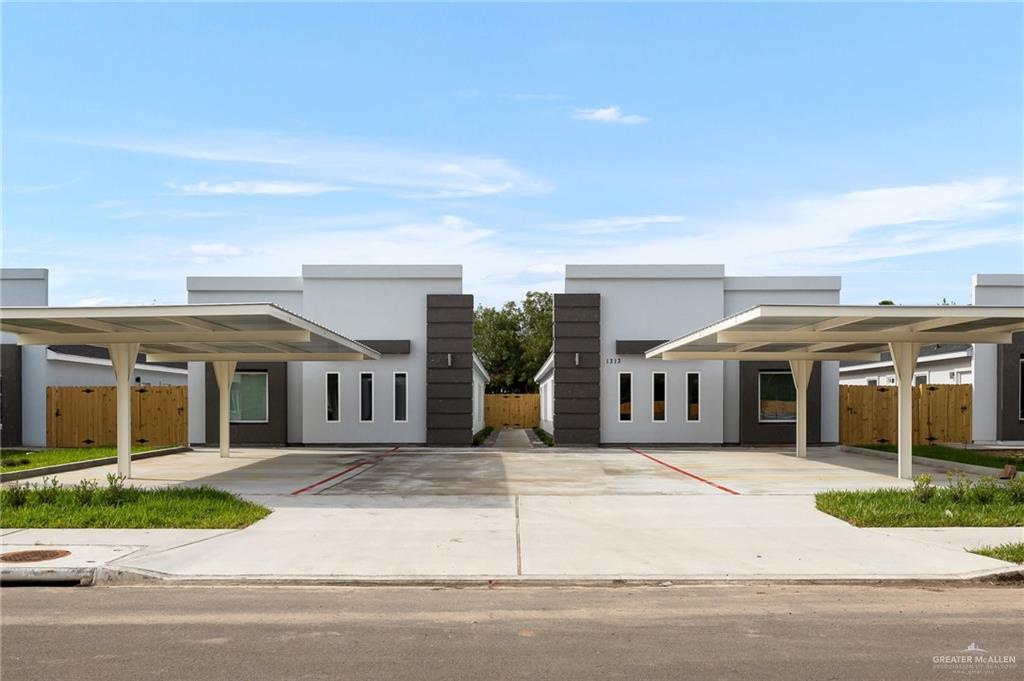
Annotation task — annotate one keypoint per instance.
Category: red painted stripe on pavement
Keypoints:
(338, 475)
(680, 470)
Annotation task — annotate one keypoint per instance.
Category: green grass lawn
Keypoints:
(23, 459)
(903, 508)
(115, 506)
(976, 457)
(1011, 553)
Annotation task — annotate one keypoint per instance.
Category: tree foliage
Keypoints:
(514, 340)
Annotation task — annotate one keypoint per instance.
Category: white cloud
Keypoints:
(272, 188)
(609, 114)
(331, 161)
(618, 224)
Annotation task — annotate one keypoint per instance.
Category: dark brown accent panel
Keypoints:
(752, 431)
(389, 347)
(275, 430)
(577, 372)
(449, 369)
(635, 347)
(1009, 425)
(10, 389)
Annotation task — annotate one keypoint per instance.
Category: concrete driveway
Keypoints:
(579, 514)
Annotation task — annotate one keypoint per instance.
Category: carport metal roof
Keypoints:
(223, 334)
(187, 333)
(802, 334)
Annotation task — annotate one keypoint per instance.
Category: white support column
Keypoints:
(122, 357)
(224, 370)
(801, 369)
(904, 361)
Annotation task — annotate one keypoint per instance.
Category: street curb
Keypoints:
(87, 463)
(125, 576)
(940, 463)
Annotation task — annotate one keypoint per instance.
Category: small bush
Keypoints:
(116, 494)
(1015, 489)
(923, 489)
(481, 437)
(985, 490)
(544, 437)
(84, 492)
(16, 495)
(48, 491)
(959, 486)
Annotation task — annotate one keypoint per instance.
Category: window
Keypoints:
(872, 381)
(333, 396)
(920, 379)
(366, 396)
(658, 406)
(693, 396)
(249, 397)
(625, 396)
(776, 397)
(401, 397)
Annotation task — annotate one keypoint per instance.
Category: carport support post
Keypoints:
(801, 369)
(224, 370)
(122, 357)
(904, 361)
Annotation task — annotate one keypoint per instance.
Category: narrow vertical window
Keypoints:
(693, 397)
(401, 397)
(333, 396)
(658, 407)
(625, 397)
(366, 396)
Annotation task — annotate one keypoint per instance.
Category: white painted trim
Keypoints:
(963, 354)
(327, 402)
(759, 419)
(547, 366)
(665, 401)
(97, 361)
(266, 394)
(394, 387)
(373, 411)
(686, 398)
(618, 397)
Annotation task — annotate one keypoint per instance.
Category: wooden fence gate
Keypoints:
(512, 411)
(868, 414)
(87, 416)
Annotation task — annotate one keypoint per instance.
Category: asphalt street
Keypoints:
(637, 633)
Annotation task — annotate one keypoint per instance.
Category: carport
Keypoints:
(223, 334)
(804, 334)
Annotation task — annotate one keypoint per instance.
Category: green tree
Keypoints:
(514, 340)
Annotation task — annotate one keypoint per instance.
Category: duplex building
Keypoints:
(598, 388)
(998, 399)
(427, 388)
(26, 372)
(943, 363)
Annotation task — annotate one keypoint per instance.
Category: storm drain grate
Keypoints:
(33, 556)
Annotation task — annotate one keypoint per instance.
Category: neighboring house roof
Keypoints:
(926, 352)
(97, 352)
(545, 368)
(479, 366)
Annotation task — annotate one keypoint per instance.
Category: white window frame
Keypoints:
(872, 381)
(373, 412)
(653, 374)
(394, 379)
(759, 419)
(266, 395)
(618, 397)
(918, 375)
(700, 409)
(327, 402)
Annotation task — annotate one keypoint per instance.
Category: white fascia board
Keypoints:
(479, 366)
(97, 361)
(546, 367)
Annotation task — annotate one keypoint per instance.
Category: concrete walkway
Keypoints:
(512, 440)
(553, 515)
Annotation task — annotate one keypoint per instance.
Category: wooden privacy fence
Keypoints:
(868, 414)
(512, 411)
(87, 416)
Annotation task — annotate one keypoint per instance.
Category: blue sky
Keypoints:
(145, 143)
